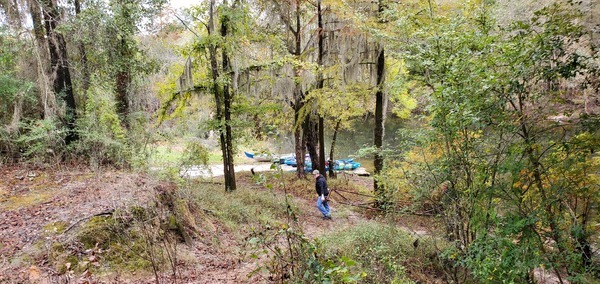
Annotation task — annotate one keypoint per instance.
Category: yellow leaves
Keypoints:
(342, 103)
(424, 154)
(398, 87)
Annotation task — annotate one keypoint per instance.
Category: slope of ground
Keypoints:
(42, 207)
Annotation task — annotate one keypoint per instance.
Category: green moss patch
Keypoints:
(26, 200)
(55, 228)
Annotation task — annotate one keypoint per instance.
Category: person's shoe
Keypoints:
(328, 217)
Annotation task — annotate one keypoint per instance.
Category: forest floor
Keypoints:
(33, 200)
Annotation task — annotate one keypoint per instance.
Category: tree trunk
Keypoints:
(223, 114)
(257, 127)
(17, 108)
(380, 108)
(122, 82)
(46, 97)
(320, 84)
(298, 135)
(214, 67)
(228, 156)
(331, 151)
(59, 62)
(83, 54)
(298, 97)
(321, 131)
(125, 53)
(379, 123)
(312, 141)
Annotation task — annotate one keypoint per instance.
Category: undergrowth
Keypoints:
(385, 253)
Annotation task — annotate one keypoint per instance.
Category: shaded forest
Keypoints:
(106, 105)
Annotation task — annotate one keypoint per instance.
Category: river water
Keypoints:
(348, 144)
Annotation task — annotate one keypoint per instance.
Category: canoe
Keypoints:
(263, 158)
(259, 157)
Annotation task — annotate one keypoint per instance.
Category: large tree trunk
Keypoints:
(298, 97)
(228, 156)
(298, 130)
(46, 96)
(83, 54)
(123, 80)
(320, 83)
(380, 108)
(312, 130)
(59, 62)
(222, 108)
(379, 122)
(123, 77)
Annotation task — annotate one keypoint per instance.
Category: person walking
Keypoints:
(323, 193)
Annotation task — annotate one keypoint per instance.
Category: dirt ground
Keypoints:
(33, 198)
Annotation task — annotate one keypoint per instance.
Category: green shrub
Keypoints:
(101, 137)
(385, 253)
(42, 140)
(294, 258)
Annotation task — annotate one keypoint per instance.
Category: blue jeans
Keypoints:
(323, 207)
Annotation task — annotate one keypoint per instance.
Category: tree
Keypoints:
(297, 33)
(320, 83)
(15, 92)
(513, 183)
(59, 64)
(125, 53)
(374, 18)
(222, 81)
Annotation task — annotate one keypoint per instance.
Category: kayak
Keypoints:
(259, 157)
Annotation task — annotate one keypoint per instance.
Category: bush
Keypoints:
(385, 253)
(42, 140)
(102, 138)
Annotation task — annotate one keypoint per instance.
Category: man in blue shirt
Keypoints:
(323, 193)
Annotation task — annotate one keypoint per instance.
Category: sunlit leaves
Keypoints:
(398, 86)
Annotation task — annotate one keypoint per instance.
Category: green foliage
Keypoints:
(299, 259)
(42, 140)
(384, 253)
(340, 103)
(499, 260)
(514, 179)
(12, 86)
(102, 138)
(195, 154)
(398, 87)
(17, 94)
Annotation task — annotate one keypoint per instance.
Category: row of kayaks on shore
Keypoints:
(290, 160)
